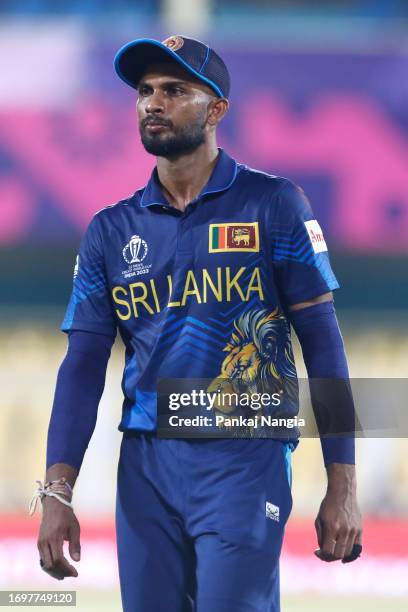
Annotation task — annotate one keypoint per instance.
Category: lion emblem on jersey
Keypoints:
(259, 359)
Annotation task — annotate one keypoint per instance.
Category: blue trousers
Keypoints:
(200, 523)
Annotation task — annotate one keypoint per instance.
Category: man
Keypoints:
(201, 271)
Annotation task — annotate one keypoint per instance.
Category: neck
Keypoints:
(183, 178)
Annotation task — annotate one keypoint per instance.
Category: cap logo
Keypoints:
(174, 43)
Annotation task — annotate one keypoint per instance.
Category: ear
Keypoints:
(217, 108)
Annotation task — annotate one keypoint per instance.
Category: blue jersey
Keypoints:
(201, 293)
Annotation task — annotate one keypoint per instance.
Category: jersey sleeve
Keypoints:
(90, 308)
(299, 252)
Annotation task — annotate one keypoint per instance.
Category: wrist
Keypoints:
(58, 489)
(51, 504)
(341, 478)
(62, 470)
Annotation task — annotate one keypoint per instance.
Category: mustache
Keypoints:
(155, 121)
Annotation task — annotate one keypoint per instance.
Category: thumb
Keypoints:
(74, 545)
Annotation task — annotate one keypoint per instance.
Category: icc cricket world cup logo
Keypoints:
(135, 251)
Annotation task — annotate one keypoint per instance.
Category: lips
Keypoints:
(156, 127)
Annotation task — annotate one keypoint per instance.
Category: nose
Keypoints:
(155, 103)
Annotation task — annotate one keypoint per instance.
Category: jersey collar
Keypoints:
(222, 177)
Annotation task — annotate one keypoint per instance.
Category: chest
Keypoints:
(210, 236)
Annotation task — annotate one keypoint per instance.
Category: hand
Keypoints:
(59, 523)
(338, 523)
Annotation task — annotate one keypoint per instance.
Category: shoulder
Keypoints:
(293, 204)
(269, 184)
(108, 217)
(257, 179)
(286, 196)
(113, 214)
(111, 211)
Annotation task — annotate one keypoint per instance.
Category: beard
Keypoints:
(181, 141)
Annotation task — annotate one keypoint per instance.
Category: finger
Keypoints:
(355, 553)
(45, 554)
(329, 542)
(356, 548)
(49, 566)
(60, 564)
(326, 550)
(341, 543)
(323, 556)
(319, 532)
(74, 545)
(350, 543)
(65, 569)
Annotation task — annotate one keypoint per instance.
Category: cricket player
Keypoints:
(202, 272)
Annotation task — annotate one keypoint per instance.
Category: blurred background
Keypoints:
(319, 95)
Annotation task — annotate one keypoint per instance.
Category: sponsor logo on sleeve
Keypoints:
(316, 236)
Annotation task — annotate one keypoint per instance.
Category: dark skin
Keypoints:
(170, 98)
(58, 524)
(167, 93)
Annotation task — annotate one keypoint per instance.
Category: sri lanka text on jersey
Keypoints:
(224, 285)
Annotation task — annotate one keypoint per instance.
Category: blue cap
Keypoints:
(197, 58)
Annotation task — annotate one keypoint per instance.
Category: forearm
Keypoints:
(326, 364)
(80, 384)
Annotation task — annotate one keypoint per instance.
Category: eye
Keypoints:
(143, 91)
(175, 90)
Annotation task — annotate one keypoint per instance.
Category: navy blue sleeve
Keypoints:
(300, 257)
(326, 363)
(80, 384)
(90, 307)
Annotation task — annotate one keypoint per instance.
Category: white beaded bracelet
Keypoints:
(54, 488)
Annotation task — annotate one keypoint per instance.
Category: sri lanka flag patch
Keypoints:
(233, 237)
